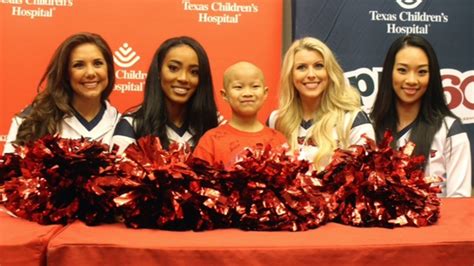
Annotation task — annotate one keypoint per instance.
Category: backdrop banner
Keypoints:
(360, 33)
(230, 31)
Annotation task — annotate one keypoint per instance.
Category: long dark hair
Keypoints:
(151, 117)
(55, 93)
(433, 107)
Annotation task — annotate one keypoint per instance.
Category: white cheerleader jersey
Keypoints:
(452, 157)
(125, 135)
(101, 128)
(307, 151)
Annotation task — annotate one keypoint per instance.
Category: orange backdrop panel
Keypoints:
(229, 31)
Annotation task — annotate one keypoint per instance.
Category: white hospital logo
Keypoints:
(125, 57)
(128, 79)
(409, 4)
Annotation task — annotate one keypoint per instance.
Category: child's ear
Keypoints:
(265, 93)
(224, 95)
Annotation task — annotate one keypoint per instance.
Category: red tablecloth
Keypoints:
(449, 242)
(23, 242)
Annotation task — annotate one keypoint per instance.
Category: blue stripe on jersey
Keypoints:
(402, 132)
(306, 124)
(361, 118)
(456, 128)
(179, 130)
(124, 128)
(90, 125)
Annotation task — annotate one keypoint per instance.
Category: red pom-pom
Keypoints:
(56, 180)
(160, 195)
(380, 186)
(54, 172)
(274, 191)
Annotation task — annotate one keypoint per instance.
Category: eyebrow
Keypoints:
(176, 61)
(403, 64)
(307, 63)
(82, 60)
(181, 63)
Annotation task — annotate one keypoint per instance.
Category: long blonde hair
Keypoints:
(338, 99)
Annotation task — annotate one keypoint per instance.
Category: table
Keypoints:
(449, 242)
(23, 242)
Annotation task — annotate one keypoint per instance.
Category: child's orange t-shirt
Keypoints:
(225, 143)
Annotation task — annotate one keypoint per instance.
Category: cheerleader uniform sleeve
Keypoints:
(11, 137)
(271, 121)
(124, 134)
(361, 126)
(457, 156)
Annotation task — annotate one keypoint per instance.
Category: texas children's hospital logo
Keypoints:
(409, 20)
(34, 9)
(220, 13)
(127, 78)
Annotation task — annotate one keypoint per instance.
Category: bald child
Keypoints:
(245, 92)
